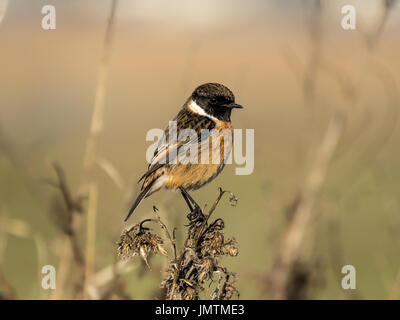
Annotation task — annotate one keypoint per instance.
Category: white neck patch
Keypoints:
(195, 108)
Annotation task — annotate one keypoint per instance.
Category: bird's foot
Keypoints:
(196, 216)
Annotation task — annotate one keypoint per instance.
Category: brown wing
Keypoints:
(167, 150)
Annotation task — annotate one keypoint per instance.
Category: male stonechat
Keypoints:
(207, 115)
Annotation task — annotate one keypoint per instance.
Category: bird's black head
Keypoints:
(215, 100)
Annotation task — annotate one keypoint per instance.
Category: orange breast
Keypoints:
(193, 176)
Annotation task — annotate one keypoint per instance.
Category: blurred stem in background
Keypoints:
(372, 39)
(99, 102)
(290, 263)
(7, 290)
(91, 234)
(281, 277)
(89, 188)
(3, 9)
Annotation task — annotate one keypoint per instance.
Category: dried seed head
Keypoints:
(212, 243)
(162, 250)
(233, 200)
(229, 292)
(139, 241)
(168, 279)
(189, 257)
(190, 294)
(198, 263)
(231, 247)
(218, 224)
(205, 269)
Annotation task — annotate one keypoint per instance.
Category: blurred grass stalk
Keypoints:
(91, 147)
(99, 103)
(294, 251)
(372, 39)
(3, 9)
(91, 234)
(290, 251)
(86, 186)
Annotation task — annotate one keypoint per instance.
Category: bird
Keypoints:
(206, 114)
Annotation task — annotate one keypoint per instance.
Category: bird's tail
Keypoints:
(140, 197)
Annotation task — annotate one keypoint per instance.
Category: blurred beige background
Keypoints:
(263, 51)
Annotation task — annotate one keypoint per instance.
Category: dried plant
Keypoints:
(292, 268)
(139, 241)
(67, 210)
(64, 211)
(99, 103)
(198, 262)
(7, 291)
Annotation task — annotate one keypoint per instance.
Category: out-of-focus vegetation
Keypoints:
(292, 67)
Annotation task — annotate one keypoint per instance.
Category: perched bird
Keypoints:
(207, 113)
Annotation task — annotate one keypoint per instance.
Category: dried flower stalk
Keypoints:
(197, 262)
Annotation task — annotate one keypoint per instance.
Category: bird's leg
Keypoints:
(185, 196)
(188, 198)
(195, 213)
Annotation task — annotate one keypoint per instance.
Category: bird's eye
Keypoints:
(213, 101)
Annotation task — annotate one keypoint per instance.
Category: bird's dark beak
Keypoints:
(235, 105)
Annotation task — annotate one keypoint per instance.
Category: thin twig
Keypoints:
(91, 233)
(172, 239)
(99, 103)
(212, 209)
(73, 207)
